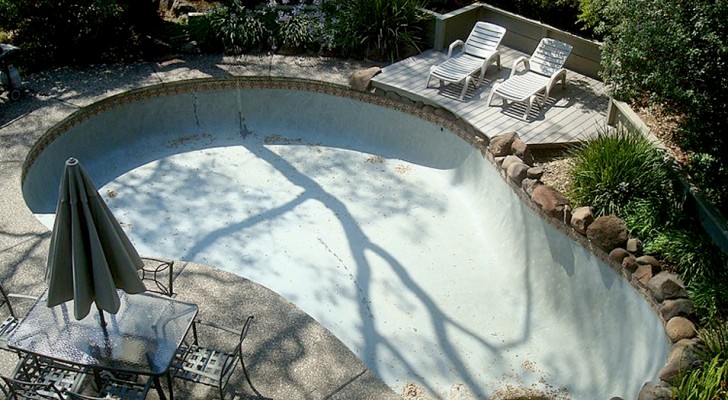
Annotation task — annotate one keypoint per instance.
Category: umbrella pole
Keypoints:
(101, 317)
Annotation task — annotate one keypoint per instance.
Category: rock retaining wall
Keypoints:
(608, 234)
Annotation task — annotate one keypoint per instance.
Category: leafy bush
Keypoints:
(675, 53)
(378, 29)
(616, 169)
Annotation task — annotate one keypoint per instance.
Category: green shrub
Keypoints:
(378, 29)
(674, 52)
(238, 27)
(709, 382)
(615, 169)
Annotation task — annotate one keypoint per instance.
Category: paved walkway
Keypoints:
(291, 355)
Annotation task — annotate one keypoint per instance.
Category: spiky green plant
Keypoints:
(710, 297)
(690, 251)
(709, 382)
(617, 168)
(380, 29)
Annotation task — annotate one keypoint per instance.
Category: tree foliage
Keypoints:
(52, 32)
(674, 52)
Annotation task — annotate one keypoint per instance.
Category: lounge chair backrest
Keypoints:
(484, 39)
(549, 57)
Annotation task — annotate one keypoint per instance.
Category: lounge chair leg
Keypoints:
(497, 61)
(465, 87)
(529, 107)
(492, 92)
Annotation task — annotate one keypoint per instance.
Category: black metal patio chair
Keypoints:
(13, 319)
(17, 389)
(160, 273)
(34, 369)
(113, 387)
(211, 366)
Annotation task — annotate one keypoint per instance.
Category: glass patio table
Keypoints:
(142, 338)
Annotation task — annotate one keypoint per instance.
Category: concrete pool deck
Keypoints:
(296, 358)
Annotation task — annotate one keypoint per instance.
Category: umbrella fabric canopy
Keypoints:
(90, 255)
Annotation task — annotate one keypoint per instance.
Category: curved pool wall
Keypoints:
(390, 229)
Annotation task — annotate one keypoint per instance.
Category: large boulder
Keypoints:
(677, 307)
(683, 357)
(529, 184)
(517, 172)
(520, 148)
(501, 145)
(535, 173)
(629, 263)
(618, 254)
(510, 159)
(666, 286)
(655, 391)
(607, 232)
(680, 328)
(551, 201)
(581, 218)
(361, 79)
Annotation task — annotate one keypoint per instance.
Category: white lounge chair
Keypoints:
(477, 53)
(542, 71)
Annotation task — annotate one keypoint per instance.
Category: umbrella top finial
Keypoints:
(71, 162)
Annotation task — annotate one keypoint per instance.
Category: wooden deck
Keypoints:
(569, 115)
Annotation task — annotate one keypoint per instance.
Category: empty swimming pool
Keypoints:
(391, 230)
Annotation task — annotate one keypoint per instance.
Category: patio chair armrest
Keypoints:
(452, 47)
(216, 326)
(519, 60)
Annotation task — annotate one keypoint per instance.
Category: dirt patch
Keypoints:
(276, 139)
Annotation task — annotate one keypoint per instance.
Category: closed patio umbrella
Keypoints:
(90, 255)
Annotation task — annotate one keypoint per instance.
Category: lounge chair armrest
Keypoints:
(519, 60)
(560, 74)
(452, 47)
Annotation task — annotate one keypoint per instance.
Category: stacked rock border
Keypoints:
(606, 236)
